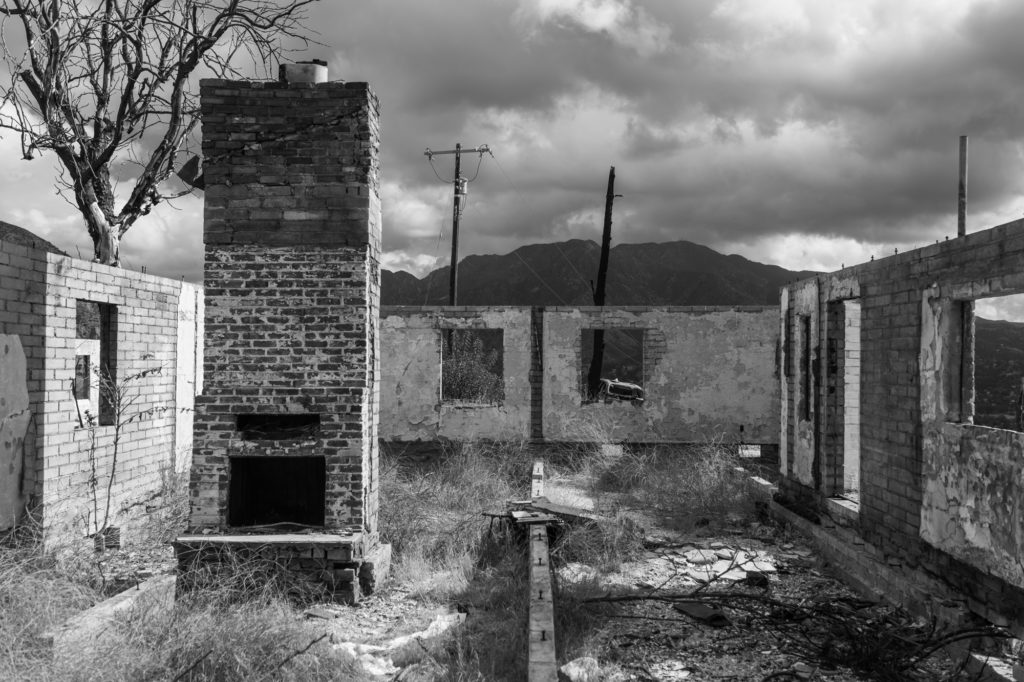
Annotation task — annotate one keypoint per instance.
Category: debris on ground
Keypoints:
(583, 669)
(387, 660)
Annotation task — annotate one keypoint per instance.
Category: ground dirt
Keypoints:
(777, 614)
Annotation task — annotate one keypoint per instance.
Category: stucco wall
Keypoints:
(972, 505)
(14, 422)
(708, 372)
(410, 389)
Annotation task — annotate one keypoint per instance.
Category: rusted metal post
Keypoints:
(961, 212)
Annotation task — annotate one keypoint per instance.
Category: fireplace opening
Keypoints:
(278, 426)
(268, 490)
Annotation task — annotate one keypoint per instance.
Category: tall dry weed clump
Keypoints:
(446, 549)
(211, 633)
(237, 625)
(432, 513)
(37, 593)
(683, 484)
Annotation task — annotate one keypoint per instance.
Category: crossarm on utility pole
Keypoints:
(459, 183)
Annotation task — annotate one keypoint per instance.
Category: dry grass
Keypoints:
(445, 549)
(209, 634)
(432, 514)
(684, 485)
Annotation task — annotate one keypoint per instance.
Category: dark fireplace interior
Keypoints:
(269, 490)
(278, 426)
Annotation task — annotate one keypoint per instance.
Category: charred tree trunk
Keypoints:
(597, 358)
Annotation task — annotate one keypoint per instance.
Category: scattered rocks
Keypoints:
(700, 557)
(585, 669)
(576, 573)
(388, 659)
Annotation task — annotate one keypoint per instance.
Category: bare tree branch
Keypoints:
(105, 82)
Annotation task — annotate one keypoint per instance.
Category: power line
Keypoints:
(522, 197)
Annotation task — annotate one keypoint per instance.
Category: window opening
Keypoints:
(472, 366)
(619, 373)
(999, 362)
(95, 371)
(805, 367)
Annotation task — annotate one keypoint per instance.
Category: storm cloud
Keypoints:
(803, 133)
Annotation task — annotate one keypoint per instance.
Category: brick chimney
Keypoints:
(285, 448)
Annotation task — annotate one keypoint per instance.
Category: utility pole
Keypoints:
(597, 358)
(460, 184)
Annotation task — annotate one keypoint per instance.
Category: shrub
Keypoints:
(470, 371)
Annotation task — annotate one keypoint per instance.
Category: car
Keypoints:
(613, 389)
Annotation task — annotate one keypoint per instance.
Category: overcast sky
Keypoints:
(795, 132)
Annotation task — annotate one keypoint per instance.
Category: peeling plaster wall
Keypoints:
(708, 372)
(410, 389)
(973, 476)
(804, 304)
(14, 422)
(23, 319)
(973, 506)
(937, 494)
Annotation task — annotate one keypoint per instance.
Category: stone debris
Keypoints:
(711, 615)
(669, 671)
(585, 669)
(576, 573)
(378, 659)
(700, 556)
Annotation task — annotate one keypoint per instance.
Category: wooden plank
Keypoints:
(542, 665)
(543, 505)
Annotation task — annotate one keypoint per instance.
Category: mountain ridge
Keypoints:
(560, 273)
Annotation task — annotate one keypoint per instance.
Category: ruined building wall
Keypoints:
(707, 373)
(411, 356)
(292, 233)
(59, 466)
(936, 493)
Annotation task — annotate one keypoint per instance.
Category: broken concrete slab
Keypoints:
(700, 556)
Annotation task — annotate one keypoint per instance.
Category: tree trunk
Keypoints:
(106, 242)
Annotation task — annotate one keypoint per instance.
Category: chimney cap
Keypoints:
(312, 71)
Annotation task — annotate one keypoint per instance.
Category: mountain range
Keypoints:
(672, 273)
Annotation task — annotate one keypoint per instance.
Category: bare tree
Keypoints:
(106, 83)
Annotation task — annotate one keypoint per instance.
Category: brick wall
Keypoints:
(38, 294)
(292, 232)
(914, 423)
